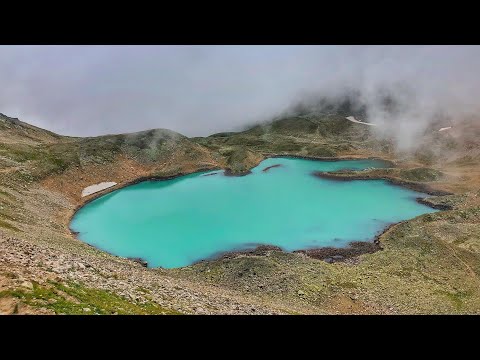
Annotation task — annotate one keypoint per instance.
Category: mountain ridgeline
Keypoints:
(31, 153)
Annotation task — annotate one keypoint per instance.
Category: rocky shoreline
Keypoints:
(328, 254)
(259, 250)
(424, 188)
(229, 172)
(427, 202)
(331, 254)
(389, 163)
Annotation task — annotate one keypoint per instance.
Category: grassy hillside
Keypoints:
(308, 135)
(37, 154)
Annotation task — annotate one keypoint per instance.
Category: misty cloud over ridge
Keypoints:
(199, 90)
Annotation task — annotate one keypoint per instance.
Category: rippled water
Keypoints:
(178, 222)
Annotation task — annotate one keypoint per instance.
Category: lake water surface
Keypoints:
(178, 222)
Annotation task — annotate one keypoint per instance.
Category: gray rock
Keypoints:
(27, 285)
(139, 261)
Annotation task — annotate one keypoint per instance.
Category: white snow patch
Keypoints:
(445, 128)
(92, 189)
(352, 119)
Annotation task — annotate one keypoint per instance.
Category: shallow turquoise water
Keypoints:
(178, 222)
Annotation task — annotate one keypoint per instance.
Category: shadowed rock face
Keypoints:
(139, 261)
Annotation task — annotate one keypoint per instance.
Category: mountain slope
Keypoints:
(15, 131)
(309, 135)
(430, 264)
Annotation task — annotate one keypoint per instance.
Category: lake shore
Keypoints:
(328, 254)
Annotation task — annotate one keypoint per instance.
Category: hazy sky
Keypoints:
(199, 90)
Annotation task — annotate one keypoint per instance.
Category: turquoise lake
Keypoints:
(178, 222)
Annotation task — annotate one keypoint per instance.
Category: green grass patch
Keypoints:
(457, 298)
(286, 147)
(20, 152)
(347, 285)
(426, 156)
(6, 194)
(322, 151)
(76, 299)
(421, 174)
(6, 225)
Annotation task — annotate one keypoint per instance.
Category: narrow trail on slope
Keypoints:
(470, 270)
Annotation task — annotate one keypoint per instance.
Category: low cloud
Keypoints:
(199, 90)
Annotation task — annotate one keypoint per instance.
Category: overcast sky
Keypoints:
(199, 90)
